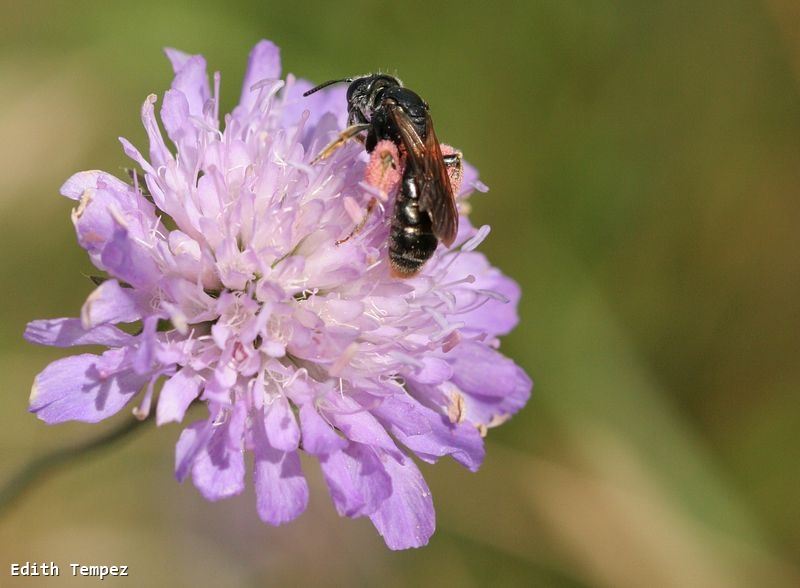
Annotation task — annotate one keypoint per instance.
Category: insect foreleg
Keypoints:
(344, 137)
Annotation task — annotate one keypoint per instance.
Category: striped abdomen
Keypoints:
(411, 238)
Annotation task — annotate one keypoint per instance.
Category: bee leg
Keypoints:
(383, 171)
(357, 229)
(344, 137)
(453, 163)
(453, 160)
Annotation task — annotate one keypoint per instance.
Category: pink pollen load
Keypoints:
(385, 168)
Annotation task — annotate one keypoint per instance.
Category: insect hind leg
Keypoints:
(454, 163)
(453, 159)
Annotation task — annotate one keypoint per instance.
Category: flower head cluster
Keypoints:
(228, 286)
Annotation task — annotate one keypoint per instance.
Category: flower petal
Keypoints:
(470, 181)
(325, 112)
(176, 395)
(406, 518)
(175, 116)
(69, 332)
(439, 438)
(177, 58)
(281, 489)
(192, 441)
(218, 469)
(497, 315)
(319, 438)
(147, 345)
(100, 212)
(159, 154)
(357, 480)
(433, 371)
(358, 425)
(190, 78)
(110, 303)
(281, 425)
(264, 63)
(124, 257)
(78, 183)
(494, 387)
(491, 410)
(479, 369)
(86, 387)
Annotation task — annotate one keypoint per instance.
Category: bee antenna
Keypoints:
(325, 85)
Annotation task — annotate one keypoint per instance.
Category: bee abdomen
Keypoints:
(411, 238)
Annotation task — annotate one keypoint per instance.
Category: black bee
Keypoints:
(425, 207)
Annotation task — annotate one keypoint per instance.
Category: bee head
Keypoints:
(365, 93)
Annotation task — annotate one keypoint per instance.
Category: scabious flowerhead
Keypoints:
(223, 260)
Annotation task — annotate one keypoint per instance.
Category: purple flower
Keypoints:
(223, 254)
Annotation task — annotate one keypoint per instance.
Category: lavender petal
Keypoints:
(86, 388)
(176, 395)
(69, 332)
(406, 518)
(357, 480)
(281, 488)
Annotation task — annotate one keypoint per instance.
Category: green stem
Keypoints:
(36, 469)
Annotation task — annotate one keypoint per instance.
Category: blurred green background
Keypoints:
(644, 165)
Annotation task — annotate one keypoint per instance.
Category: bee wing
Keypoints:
(436, 194)
(411, 139)
(437, 197)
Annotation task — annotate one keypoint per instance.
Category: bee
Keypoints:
(425, 209)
